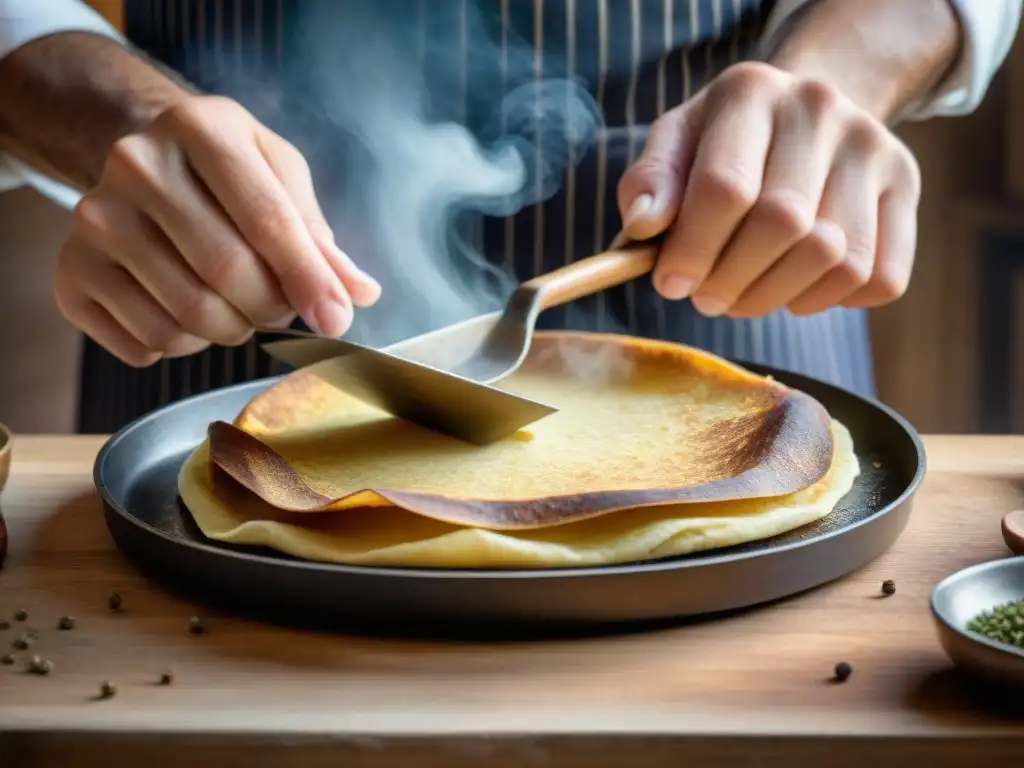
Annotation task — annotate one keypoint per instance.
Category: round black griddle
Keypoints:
(137, 469)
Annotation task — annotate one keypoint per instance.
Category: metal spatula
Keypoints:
(488, 348)
(441, 380)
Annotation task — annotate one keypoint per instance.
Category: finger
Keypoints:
(100, 326)
(256, 201)
(795, 173)
(851, 201)
(897, 241)
(651, 189)
(145, 253)
(723, 184)
(137, 312)
(163, 186)
(293, 171)
(808, 260)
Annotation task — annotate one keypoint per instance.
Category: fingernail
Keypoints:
(332, 317)
(640, 207)
(710, 306)
(358, 271)
(675, 287)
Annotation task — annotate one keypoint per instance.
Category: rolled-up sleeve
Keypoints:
(21, 22)
(989, 28)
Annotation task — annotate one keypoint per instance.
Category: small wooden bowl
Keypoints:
(6, 440)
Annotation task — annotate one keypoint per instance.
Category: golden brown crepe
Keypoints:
(658, 450)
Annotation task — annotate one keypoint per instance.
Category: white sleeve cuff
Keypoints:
(21, 22)
(989, 28)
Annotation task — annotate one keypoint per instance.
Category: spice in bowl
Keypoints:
(1003, 624)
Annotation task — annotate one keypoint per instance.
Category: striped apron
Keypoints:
(637, 58)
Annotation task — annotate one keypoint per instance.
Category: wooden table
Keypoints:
(747, 690)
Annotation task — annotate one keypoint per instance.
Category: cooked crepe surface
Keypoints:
(657, 450)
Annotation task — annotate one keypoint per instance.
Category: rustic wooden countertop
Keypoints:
(719, 693)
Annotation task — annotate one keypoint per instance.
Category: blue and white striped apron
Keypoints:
(636, 57)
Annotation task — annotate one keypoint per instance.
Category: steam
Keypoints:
(432, 159)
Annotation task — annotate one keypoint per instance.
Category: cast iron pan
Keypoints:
(136, 473)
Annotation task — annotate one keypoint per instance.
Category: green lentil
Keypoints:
(1003, 624)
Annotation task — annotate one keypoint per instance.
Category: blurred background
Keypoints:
(949, 355)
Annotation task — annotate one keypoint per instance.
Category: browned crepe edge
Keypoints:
(792, 451)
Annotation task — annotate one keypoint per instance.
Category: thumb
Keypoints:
(293, 171)
(651, 190)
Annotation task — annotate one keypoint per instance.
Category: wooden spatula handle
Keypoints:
(595, 273)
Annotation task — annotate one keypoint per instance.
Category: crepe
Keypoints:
(658, 450)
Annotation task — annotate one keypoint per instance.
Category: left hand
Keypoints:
(776, 191)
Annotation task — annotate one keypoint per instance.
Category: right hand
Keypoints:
(203, 227)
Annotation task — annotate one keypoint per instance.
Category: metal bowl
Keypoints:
(5, 470)
(960, 598)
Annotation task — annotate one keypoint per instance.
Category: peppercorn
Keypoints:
(842, 672)
(115, 601)
(888, 587)
(108, 690)
(21, 643)
(196, 626)
(166, 678)
(4, 626)
(66, 622)
(39, 666)
(21, 615)
(7, 659)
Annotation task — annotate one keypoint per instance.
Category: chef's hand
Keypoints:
(776, 192)
(202, 227)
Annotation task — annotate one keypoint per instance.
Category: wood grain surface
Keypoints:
(751, 689)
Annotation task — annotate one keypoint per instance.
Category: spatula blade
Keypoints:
(475, 413)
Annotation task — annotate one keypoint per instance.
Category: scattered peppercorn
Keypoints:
(115, 601)
(39, 666)
(196, 626)
(166, 678)
(7, 659)
(66, 622)
(842, 672)
(888, 587)
(108, 690)
(21, 643)
(20, 615)
(1004, 624)
(4, 626)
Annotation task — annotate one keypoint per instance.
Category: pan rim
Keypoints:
(696, 560)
